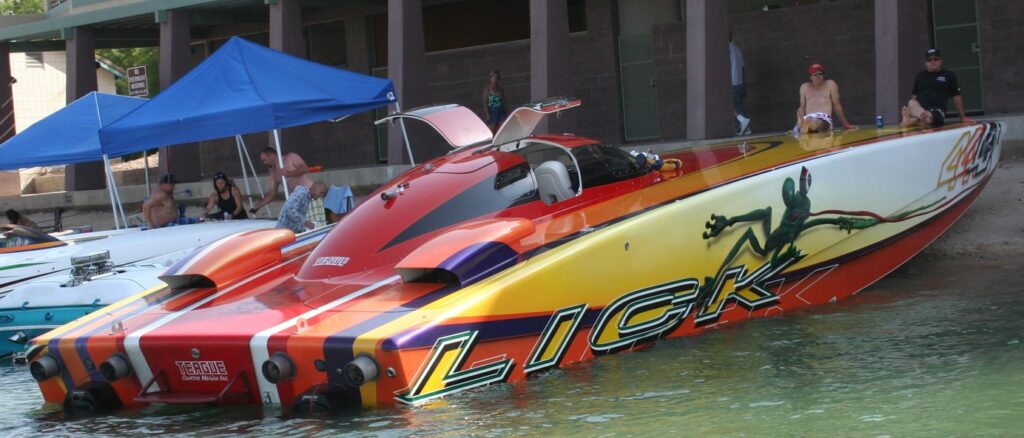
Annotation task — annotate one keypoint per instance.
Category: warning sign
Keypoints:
(138, 84)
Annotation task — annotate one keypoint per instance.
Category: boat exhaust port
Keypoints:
(279, 367)
(45, 367)
(361, 370)
(115, 367)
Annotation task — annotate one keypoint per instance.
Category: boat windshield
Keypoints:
(602, 164)
(15, 237)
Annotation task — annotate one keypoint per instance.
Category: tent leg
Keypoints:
(254, 177)
(280, 161)
(117, 197)
(110, 191)
(245, 172)
(145, 165)
(405, 135)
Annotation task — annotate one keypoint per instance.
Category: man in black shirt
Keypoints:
(932, 89)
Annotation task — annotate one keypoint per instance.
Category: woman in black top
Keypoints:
(227, 197)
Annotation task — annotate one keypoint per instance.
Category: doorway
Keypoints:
(955, 27)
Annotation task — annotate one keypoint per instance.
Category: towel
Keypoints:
(339, 199)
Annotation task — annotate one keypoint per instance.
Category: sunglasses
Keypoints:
(817, 73)
(934, 59)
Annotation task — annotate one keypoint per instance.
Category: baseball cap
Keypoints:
(168, 179)
(220, 175)
(815, 67)
(932, 52)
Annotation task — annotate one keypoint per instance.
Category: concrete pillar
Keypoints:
(357, 51)
(7, 128)
(406, 64)
(286, 27)
(175, 61)
(899, 54)
(81, 79)
(549, 58)
(286, 36)
(708, 86)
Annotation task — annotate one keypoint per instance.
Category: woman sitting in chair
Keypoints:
(227, 198)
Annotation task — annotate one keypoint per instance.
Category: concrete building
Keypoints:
(39, 87)
(647, 70)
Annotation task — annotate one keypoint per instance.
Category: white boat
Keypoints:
(27, 253)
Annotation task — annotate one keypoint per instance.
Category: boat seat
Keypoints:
(553, 182)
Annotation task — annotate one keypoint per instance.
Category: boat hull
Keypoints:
(793, 224)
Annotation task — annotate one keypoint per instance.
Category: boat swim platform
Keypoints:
(362, 180)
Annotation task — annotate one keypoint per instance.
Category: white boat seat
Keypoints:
(553, 182)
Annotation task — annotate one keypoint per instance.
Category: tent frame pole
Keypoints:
(145, 165)
(405, 135)
(111, 191)
(280, 161)
(252, 169)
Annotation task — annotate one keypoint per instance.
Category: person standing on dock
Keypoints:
(295, 171)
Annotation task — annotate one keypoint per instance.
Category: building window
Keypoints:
(327, 43)
(472, 23)
(33, 59)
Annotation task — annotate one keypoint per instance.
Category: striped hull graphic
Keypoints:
(396, 317)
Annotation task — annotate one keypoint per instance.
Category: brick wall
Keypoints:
(460, 75)
(778, 45)
(1001, 28)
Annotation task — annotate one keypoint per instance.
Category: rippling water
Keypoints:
(934, 350)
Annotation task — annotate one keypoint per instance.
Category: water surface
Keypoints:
(932, 350)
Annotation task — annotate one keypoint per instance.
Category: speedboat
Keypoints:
(39, 305)
(517, 254)
(27, 253)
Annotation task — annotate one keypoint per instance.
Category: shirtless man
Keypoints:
(160, 209)
(295, 170)
(932, 89)
(818, 99)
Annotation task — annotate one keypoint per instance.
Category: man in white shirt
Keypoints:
(738, 90)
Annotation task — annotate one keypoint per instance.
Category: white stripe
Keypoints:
(29, 327)
(259, 343)
(131, 342)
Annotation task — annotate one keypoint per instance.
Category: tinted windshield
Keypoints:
(602, 164)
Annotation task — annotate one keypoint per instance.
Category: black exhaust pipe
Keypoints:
(279, 367)
(44, 368)
(361, 370)
(116, 367)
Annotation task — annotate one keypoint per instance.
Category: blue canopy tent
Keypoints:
(245, 88)
(70, 135)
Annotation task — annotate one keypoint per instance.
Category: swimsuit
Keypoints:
(496, 107)
(819, 116)
(228, 206)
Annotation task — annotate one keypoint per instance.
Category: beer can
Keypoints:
(879, 122)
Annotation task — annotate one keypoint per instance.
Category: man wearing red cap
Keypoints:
(818, 99)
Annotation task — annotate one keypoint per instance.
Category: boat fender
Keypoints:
(228, 259)
(115, 367)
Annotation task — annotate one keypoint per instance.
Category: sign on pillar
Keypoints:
(138, 85)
